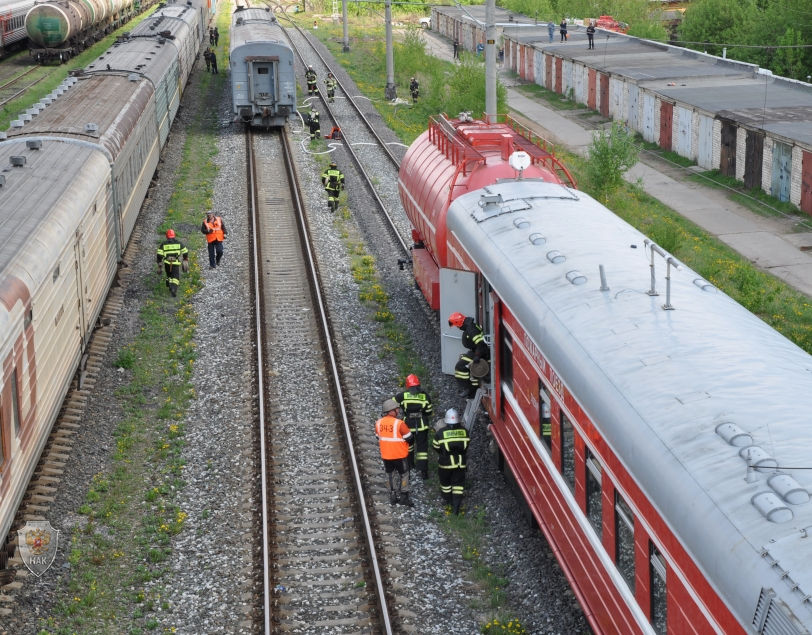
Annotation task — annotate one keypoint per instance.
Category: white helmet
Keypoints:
(451, 417)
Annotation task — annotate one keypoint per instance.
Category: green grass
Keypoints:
(131, 509)
(54, 75)
(553, 99)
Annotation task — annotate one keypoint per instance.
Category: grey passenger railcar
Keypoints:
(263, 77)
(75, 171)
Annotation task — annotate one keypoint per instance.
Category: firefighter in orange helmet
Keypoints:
(395, 440)
(172, 254)
(417, 412)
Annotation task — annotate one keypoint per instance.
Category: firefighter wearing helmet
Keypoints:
(474, 340)
(333, 180)
(312, 86)
(417, 412)
(173, 255)
(451, 443)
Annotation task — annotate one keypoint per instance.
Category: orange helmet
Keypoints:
(412, 381)
(170, 233)
(456, 319)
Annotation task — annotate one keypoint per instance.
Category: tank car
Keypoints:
(12, 24)
(59, 29)
(659, 437)
(263, 76)
(77, 171)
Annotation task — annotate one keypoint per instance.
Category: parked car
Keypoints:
(425, 23)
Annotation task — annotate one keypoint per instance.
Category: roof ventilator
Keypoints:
(2, 180)
(556, 257)
(17, 161)
(3, 136)
(576, 277)
(788, 489)
(521, 223)
(91, 128)
(537, 239)
(771, 507)
(17, 123)
(133, 77)
(669, 259)
(734, 435)
(33, 144)
(25, 117)
(757, 460)
(705, 285)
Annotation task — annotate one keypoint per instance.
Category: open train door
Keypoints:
(458, 292)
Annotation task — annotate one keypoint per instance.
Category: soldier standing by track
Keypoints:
(312, 86)
(331, 84)
(395, 439)
(170, 253)
(417, 410)
(451, 442)
(333, 180)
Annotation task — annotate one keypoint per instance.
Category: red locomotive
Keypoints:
(647, 428)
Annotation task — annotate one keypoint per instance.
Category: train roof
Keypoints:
(656, 383)
(41, 204)
(255, 26)
(113, 103)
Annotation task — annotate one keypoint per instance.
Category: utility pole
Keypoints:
(490, 59)
(346, 48)
(390, 92)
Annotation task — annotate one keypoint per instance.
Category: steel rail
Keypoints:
(334, 368)
(252, 185)
(330, 354)
(20, 76)
(355, 158)
(391, 156)
(20, 92)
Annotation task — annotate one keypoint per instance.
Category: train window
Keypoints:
(506, 358)
(659, 612)
(624, 536)
(262, 71)
(593, 493)
(15, 403)
(544, 416)
(56, 273)
(567, 451)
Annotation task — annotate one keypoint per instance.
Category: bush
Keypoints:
(611, 153)
(125, 359)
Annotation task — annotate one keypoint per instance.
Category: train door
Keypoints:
(666, 119)
(648, 117)
(753, 159)
(705, 143)
(782, 170)
(79, 265)
(806, 182)
(262, 82)
(633, 101)
(727, 162)
(487, 314)
(458, 292)
(685, 132)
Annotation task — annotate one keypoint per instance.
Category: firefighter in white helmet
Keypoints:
(451, 442)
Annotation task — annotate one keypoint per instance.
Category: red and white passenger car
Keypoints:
(663, 490)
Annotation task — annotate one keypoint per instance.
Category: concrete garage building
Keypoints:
(718, 112)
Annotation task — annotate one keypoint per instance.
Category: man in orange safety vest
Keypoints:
(395, 439)
(215, 230)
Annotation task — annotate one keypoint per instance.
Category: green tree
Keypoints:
(719, 21)
(611, 154)
(789, 62)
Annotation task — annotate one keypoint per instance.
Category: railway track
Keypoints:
(366, 148)
(321, 570)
